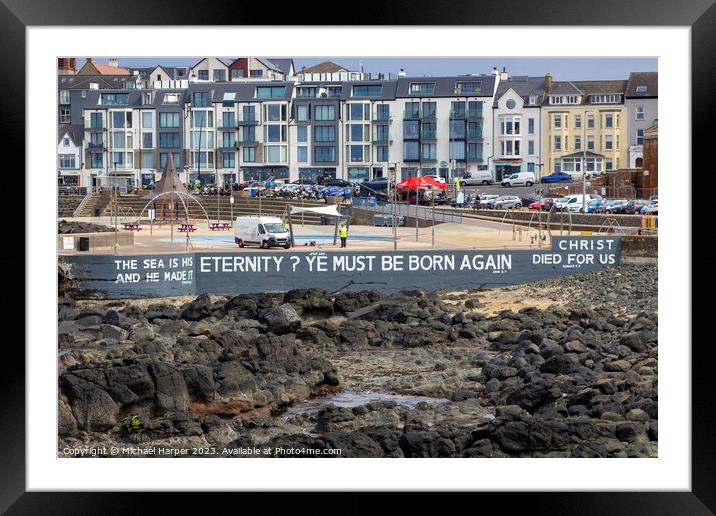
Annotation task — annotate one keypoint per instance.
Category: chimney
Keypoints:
(495, 72)
(89, 59)
(548, 83)
(113, 62)
(503, 74)
(401, 73)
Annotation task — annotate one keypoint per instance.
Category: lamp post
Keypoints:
(115, 207)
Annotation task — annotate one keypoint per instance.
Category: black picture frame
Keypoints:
(700, 15)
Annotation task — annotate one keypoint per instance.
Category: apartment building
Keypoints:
(642, 99)
(517, 122)
(584, 121)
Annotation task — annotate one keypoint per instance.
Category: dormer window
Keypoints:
(641, 89)
(605, 99)
(422, 88)
(533, 99)
(171, 98)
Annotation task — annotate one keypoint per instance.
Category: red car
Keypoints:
(538, 205)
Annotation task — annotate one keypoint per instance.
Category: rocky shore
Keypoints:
(65, 227)
(562, 368)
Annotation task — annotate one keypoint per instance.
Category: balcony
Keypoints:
(429, 136)
(474, 115)
(458, 115)
(380, 139)
(228, 127)
(428, 159)
(427, 116)
(95, 146)
(475, 158)
(411, 114)
(95, 127)
(381, 117)
(227, 146)
(474, 135)
(411, 158)
(247, 141)
(247, 121)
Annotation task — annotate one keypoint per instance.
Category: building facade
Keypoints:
(584, 125)
(642, 108)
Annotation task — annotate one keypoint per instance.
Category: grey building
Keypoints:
(642, 105)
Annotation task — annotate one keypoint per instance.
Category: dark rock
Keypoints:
(561, 364)
(353, 444)
(282, 319)
(197, 309)
(426, 443)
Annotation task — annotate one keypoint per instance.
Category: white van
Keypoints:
(476, 177)
(263, 231)
(519, 179)
(574, 203)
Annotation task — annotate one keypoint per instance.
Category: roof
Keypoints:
(586, 89)
(325, 67)
(102, 69)
(283, 64)
(221, 60)
(134, 99)
(268, 64)
(648, 79)
(446, 86)
(245, 91)
(564, 88)
(387, 92)
(82, 82)
(652, 131)
(522, 86)
(74, 131)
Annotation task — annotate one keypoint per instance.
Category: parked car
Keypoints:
(435, 177)
(548, 202)
(505, 202)
(486, 199)
(575, 202)
(617, 206)
(556, 177)
(519, 179)
(476, 177)
(529, 199)
(634, 206)
(262, 231)
(537, 205)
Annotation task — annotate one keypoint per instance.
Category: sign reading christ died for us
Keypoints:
(278, 270)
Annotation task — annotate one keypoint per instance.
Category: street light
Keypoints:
(114, 190)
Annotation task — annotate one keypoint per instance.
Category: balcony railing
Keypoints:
(381, 117)
(429, 136)
(457, 114)
(411, 115)
(475, 158)
(474, 114)
(428, 115)
(378, 138)
(428, 159)
(474, 135)
(228, 127)
(95, 146)
(247, 121)
(247, 141)
(89, 126)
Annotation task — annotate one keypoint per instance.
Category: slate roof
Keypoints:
(325, 67)
(82, 82)
(283, 64)
(74, 131)
(648, 79)
(446, 86)
(586, 89)
(245, 91)
(523, 86)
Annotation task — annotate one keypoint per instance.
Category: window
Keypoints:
(129, 85)
(474, 151)
(530, 147)
(302, 133)
(530, 126)
(429, 109)
(530, 167)
(229, 99)
(219, 75)
(641, 89)
(639, 113)
(422, 88)
(608, 121)
(229, 159)
(356, 153)
(237, 74)
(324, 113)
(457, 129)
(302, 113)
(428, 151)
(228, 120)
(411, 130)
(66, 141)
(202, 139)
(96, 140)
(169, 140)
(324, 154)
(411, 151)
(64, 97)
(249, 154)
(324, 133)
(114, 99)
(357, 174)
(203, 159)
(203, 75)
(335, 91)
(557, 165)
(96, 160)
(412, 111)
(608, 142)
(367, 90)
(67, 160)
(557, 121)
(302, 153)
(84, 94)
(457, 109)
(381, 153)
(609, 164)
(639, 136)
(270, 92)
(429, 131)
(457, 150)
(122, 159)
(248, 113)
(275, 112)
(511, 148)
(590, 142)
(119, 140)
(590, 121)
(577, 142)
(200, 99)
(306, 91)
(533, 99)
(275, 133)
(359, 112)
(510, 104)
(557, 143)
(577, 121)
(147, 140)
(228, 140)
(96, 121)
(171, 98)
(510, 125)
(468, 87)
(382, 112)
(169, 120)
(358, 133)
(65, 116)
(147, 120)
(147, 160)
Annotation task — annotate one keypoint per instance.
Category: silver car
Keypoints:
(506, 202)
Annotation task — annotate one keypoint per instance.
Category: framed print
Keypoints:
(312, 242)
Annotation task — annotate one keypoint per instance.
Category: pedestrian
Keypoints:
(476, 202)
(343, 232)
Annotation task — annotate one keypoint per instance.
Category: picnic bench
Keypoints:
(132, 226)
(219, 226)
(187, 227)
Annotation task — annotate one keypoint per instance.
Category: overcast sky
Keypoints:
(565, 69)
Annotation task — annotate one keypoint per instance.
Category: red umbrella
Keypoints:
(412, 183)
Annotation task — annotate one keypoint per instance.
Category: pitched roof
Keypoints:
(564, 88)
(597, 87)
(325, 67)
(522, 86)
(82, 82)
(446, 86)
(283, 64)
(648, 79)
(93, 68)
(74, 131)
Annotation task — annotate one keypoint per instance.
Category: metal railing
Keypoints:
(408, 210)
(71, 190)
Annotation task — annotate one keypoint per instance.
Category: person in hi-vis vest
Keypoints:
(343, 233)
